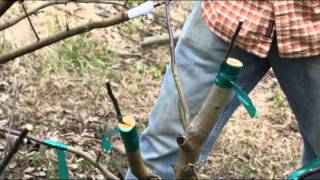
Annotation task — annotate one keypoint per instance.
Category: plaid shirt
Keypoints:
(296, 23)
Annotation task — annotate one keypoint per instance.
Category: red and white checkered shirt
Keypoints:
(296, 23)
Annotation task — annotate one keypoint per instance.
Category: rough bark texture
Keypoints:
(192, 140)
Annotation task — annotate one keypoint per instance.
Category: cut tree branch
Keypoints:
(107, 174)
(63, 35)
(183, 106)
(198, 130)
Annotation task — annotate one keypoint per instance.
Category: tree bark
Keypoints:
(191, 141)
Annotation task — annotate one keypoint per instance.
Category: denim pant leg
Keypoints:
(199, 54)
(300, 80)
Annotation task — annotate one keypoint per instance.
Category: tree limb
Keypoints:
(192, 140)
(62, 35)
(51, 3)
(107, 174)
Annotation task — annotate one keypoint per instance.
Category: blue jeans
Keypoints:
(199, 53)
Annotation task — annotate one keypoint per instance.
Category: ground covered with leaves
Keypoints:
(61, 91)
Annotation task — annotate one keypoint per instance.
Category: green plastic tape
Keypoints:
(226, 74)
(226, 78)
(312, 165)
(62, 165)
(130, 139)
(107, 146)
(55, 144)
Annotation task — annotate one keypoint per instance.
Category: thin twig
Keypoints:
(114, 101)
(233, 40)
(107, 174)
(185, 113)
(30, 22)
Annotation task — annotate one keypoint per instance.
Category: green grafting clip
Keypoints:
(130, 139)
(226, 78)
(107, 146)
(62, 164)
(312, 165)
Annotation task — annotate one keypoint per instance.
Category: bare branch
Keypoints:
(63, 35)
(50, 3)
(107, 174)
(185, 113)
(30, 22)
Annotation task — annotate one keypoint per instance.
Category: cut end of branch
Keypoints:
(234, 62)
(29, 127)
(128, 122)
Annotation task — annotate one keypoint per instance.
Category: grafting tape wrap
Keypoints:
(130, 139)
(312, 165)
(107, 146)
(226, 78)
(62, 164)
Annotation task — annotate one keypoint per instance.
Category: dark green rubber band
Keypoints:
(130, 139)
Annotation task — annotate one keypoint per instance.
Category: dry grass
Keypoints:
(63, 94)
